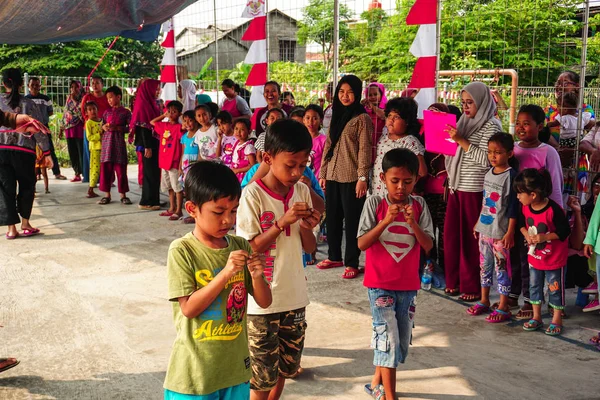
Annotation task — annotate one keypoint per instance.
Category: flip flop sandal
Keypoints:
(477, 309)
(469, 297)
(533, 325)
(91, 196)
(554, 330)
(30, 232)
(105, 200)
(595, 340)
(498, 316)
(189, 220)
(377, 392)
(327, 264)
(175, 217)
(9, 366)
(350, 273)
(451, 292)
(524, 314)
(11, 237)
(165, 214)
(126, 201)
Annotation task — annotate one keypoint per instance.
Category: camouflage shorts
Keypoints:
(276, 343)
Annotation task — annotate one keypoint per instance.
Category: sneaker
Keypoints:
(593, 306)
(592, 288)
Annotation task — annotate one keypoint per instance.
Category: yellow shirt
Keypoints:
(93, 132)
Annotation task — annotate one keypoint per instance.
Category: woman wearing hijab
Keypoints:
(187, 93)
(344, 170)
(73, 126)
(145, 109)
(466, 171)
(374, 103)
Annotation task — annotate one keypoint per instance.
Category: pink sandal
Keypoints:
(166, 213)
(477, 309)
(498, 316)
(30, 232)
(328, 264)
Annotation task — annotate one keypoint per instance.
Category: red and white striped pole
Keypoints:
(168, 72)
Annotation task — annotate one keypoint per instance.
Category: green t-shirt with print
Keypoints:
(211, 351)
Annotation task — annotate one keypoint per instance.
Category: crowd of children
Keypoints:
(509, 219)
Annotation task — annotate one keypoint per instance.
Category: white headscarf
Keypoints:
(188, 92)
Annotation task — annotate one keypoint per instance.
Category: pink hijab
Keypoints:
(381, 88)
(145, 108)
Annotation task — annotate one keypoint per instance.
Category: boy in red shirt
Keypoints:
(169, 157)
(393, 230)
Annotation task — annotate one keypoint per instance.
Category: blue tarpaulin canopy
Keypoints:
(51, 21)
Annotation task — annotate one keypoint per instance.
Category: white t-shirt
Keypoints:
(568, 124)
(259, 209)
(207, 143)
(593, 137)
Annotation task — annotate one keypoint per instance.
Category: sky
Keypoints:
(201, 13)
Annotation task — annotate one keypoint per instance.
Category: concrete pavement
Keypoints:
(84, 309)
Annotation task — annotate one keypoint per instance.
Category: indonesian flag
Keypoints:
(257, 54)
(168, 72)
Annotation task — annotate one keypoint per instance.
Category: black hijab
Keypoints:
(343, 114)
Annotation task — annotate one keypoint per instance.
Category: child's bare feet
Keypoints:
(91, 194)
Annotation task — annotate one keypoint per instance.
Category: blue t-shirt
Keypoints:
(314, 183)
(190, 148)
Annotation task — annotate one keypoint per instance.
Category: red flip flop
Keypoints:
(351, 273)
(166, 213)
(327, 264)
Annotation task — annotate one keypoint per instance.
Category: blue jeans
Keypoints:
(556, 286)
(238, 392)
(393, 312)
(493, 255)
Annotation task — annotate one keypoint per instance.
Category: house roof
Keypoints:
(204, 37)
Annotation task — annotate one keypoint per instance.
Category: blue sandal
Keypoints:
(554, 330)
(533, 325)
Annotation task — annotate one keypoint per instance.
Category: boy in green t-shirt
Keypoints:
(210, 274)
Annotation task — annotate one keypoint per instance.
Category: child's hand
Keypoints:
(148, 153)
(475, 234)
(508, 241)
(297, 212)
(322, 183)
(236, 262)
(539, 238)
(528, 238)
(392, 213)
(48, 163)
(106, 127)
(409, 214)
(588, 250)
(256, 265)
(180, 172)
(574, 204)
(311, 221)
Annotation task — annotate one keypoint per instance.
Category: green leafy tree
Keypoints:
(128, 58)
(538, 38)
(317, 26)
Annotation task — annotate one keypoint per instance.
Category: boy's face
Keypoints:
(274, 116)
(526, 128)
(113, 100)
(399, 182)
(91, 112)
(173, 114)
(34, 87)
(287, 167)
(203, 117)
(224, 127)
(214, 218)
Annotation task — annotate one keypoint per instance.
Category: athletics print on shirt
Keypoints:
(223, 323)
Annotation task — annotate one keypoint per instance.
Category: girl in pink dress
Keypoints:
(244, 153)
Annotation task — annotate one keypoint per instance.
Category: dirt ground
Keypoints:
(84, 308)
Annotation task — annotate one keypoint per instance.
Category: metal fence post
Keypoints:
(26, 83)
(336, 41)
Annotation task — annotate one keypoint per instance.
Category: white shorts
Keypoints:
(170, 181)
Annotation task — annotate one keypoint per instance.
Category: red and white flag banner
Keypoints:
(168, 72)
(257, 53)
